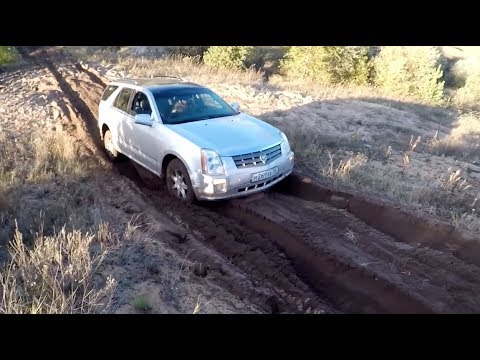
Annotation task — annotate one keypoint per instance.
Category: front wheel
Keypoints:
(112, 153)
(178, 181)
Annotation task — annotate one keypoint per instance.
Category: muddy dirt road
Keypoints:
(295, 247)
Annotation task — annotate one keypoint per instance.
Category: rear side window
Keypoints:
(109, 91)
(121, 102)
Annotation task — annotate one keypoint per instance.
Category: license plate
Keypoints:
(265, 174)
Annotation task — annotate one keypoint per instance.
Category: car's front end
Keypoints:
(242, 174)
(227, 153)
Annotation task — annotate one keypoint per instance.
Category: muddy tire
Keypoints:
(112, 153)
(178, 181)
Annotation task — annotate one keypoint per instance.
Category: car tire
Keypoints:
(112, 153)
(178, 181)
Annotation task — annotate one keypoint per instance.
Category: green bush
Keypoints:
(231, 57)
(7, 54)
(412, 71)
(468, 96)
(328, 64)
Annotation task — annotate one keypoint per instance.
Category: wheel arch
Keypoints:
(169, 157)
(103, 130)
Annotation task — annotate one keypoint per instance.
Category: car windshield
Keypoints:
(178, 106)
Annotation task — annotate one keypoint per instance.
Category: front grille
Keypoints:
(254, 159)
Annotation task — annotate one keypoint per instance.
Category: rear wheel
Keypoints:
(178, 181)
(112, 153)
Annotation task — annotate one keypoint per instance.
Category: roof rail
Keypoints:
(167, 76)
(135, 81)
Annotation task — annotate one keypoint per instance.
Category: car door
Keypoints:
(143, 137)
(124, 130)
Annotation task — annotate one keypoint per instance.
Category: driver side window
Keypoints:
(140, 105)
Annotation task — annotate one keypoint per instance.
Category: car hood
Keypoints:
(230, 135)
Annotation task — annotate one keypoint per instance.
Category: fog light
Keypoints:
(213, 186)
(292, 158)
(220, 185)
(208, 188)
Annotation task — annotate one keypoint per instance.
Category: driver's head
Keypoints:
(181, 105)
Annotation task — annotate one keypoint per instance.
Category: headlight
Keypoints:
(285, 144)
(211, 163)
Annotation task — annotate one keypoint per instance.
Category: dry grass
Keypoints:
(453, 181)
(422, 183)
(469, 95)
(464, 139)
(199, 306)
(39, 158)
(191, 68)
(43, 184)
(188, 67)
(73, 271)
(56, 276)
(101, 54)
(410, 149)
(53, 156)
(42, 180)
(467, 221)
(343, 168)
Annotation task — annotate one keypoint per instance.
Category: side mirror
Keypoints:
(144, 119)
(235, 106)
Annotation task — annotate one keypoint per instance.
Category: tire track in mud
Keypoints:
(236, 258)
(350, 287)
(93, 77)
(365, 269)
(278, 250)
(75, 106)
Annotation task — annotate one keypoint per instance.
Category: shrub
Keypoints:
(7, 54)
(188, 50)
(329, 64)
(267, 58)
(465, 75)
(232, 57)
(468, 96)
(412, 71)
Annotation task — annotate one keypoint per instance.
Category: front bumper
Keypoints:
(238, 182)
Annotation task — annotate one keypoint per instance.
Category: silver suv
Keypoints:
(183, 132)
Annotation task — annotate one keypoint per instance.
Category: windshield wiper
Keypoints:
(212, 117)
(200, 119)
